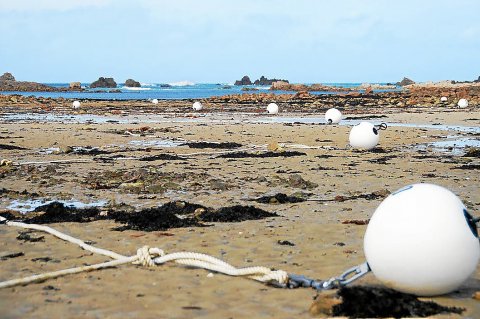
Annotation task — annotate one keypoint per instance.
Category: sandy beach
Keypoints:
(320, 237)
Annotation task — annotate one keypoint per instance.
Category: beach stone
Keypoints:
(104, 83)
(132, 83)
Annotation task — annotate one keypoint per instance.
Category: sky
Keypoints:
(219, 41)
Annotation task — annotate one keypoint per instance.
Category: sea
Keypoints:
(170, 91)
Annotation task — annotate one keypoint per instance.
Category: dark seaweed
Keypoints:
(164, 157)
(224, 145)
(236, 213)
(11, 147)
(279, 198)
(379, 302)
(262, 155)
(468, 166)
(169, 215)
(57, 212)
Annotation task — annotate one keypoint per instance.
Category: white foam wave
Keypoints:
(182, 83)
(135, 89)
(148, 84)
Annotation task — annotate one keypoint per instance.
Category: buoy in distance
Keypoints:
(333, 116)
(462, 103)
(155, 101)
(421, 240)
(76, 104)
(272, 108)
(364, 136)
(443, 99)
(197, 106)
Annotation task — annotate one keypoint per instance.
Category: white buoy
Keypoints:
(272, 108)
(443, 99)
(421, 240)
(364, 136)
(155, 101)
(76, 104)
(197, 106)
(462, 103)
(333, 116)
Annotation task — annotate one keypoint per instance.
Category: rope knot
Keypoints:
(146, 256)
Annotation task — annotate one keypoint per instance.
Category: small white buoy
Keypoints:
(272, 108)
(364, 136)
(76, 104)
(155, 101)
(333, 116)
(421, 240)
(462, 103)
(197, 106)
(443, 99)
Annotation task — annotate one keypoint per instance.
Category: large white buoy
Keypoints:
(197, 106)
(364, 136)
(76, 104)
(333, 116)
(272, 108)
(443, 99)
(421, 240)
(155, 101)
(462, 103)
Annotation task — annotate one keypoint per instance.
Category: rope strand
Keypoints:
(145, 256)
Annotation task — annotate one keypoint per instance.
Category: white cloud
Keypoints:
(49, 5)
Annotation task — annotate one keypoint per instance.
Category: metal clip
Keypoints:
(347, 277)
(350, 275)
(381, 126)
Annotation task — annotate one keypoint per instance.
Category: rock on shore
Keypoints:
(8, 83)
(104, 83)
(132, 83)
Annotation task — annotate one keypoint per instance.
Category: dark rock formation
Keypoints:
(477, 80)
(405, 81)
(7, 77)
(264, 81)
(132, 83)
(104, 83)
(244, 81)
(8, 83)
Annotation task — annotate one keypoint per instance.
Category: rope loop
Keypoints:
(145, 254)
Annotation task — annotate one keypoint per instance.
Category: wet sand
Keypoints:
(324, 246)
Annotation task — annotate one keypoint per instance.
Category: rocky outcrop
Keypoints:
(132, 83)
(285, 86)
(264, 81)
(244, 81)
(8, 83)
(405, 81)
(75, 86)
(7, 77)
(477, 80)
(104, 83)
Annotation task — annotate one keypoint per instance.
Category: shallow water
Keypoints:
(454, 145)
(29, 205)
(211, 118)
(157, 143)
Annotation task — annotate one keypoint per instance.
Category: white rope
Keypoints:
(145, 256)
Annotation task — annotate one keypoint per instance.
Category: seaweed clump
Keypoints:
(379, 302)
